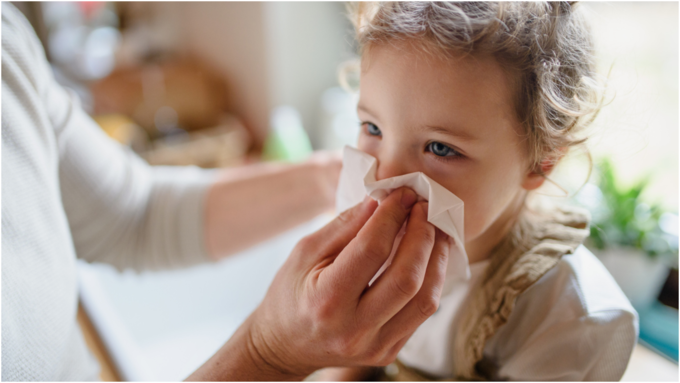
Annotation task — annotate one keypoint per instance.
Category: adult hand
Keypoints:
(319, 312)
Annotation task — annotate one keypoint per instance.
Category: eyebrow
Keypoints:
(363, 108)
(451, 131)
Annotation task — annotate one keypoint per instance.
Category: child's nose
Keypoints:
(391, 167)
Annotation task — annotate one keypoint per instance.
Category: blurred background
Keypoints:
(224, 84)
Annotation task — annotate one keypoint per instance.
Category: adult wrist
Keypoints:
(271, 360)
(243, 358)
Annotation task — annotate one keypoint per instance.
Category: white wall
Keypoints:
(638, 128)
(231, 38)
(306, 44)
(272, 53)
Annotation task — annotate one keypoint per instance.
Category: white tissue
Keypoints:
(357, 179)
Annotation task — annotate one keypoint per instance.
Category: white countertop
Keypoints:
(164, 325)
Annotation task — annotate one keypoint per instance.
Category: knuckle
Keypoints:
(408, 283)
(428, 305)
(324, 311)
(391, 211)
(442, 244)
(348, 347)
(385, 351)
(424, 231)
(320, 311)
(308, 313)
(346, 216)
(427, 233)
(373, 251)
(374, 357)
(351, 215)
(395, 215)
(306, 242)
(441, 260)
(387, 359)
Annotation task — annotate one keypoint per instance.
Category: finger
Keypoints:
(337, 234)
(361, 259)
(392, 352)
(403, 279)
(426, 302)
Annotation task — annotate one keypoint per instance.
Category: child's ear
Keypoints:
(533, 180)
(535, 177)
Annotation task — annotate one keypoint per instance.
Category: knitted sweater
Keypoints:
(70, 192)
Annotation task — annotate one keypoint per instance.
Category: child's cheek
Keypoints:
(454, 175)
(368, 144)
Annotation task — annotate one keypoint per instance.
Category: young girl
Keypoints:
(485, 98)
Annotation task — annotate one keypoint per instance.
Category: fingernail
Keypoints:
(408, 198)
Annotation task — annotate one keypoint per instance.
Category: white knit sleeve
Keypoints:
(120, 210)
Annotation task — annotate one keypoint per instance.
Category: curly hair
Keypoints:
(547, 45)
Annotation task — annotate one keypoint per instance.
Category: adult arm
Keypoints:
(250, 204)
(124, 212)
(319, 311)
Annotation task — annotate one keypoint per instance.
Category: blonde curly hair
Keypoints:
(547, 45)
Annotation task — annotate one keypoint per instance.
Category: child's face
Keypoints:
(452, 119)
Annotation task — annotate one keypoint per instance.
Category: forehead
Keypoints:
(469, 91)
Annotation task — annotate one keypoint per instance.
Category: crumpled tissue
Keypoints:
(445, 211)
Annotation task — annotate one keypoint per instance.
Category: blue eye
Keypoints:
(441, 150)
(372, 129)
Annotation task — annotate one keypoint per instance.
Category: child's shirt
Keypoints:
(574, 323)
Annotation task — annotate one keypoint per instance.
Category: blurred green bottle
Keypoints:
(287, 140)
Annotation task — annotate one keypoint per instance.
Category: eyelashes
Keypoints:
(441, 151)
(372, 129)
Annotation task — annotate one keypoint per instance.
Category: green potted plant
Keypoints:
(628, 235)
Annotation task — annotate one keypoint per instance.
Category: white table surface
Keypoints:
(648, 366)
(164, 325)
